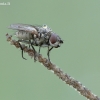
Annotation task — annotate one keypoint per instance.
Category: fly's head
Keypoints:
(55, 41)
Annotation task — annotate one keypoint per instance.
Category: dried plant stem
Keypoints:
(64, 77)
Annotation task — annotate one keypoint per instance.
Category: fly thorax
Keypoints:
(46, 28)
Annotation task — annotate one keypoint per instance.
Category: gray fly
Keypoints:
(41, 36)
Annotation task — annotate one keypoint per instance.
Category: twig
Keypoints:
(50, 66)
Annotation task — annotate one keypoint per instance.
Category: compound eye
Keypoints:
(53, 38)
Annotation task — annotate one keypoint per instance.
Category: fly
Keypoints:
(41, 36)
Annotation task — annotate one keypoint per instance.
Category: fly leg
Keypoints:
(29, 44)
(48, 53)
(39, 48)
(33, 47)
(21, 50)
(33, 50)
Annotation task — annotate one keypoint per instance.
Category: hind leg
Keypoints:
(21, 50)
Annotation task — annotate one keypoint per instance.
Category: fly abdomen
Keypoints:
(23, 35)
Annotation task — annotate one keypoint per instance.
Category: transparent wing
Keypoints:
(24, 27)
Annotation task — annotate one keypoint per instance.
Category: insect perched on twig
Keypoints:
(41, 36)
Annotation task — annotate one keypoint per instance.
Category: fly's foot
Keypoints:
(49, 60)
(35, 56)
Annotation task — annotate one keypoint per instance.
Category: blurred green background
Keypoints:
(77, 22)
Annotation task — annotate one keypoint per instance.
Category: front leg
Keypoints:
(48, 52)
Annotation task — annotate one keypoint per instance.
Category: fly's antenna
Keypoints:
(57, 71)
